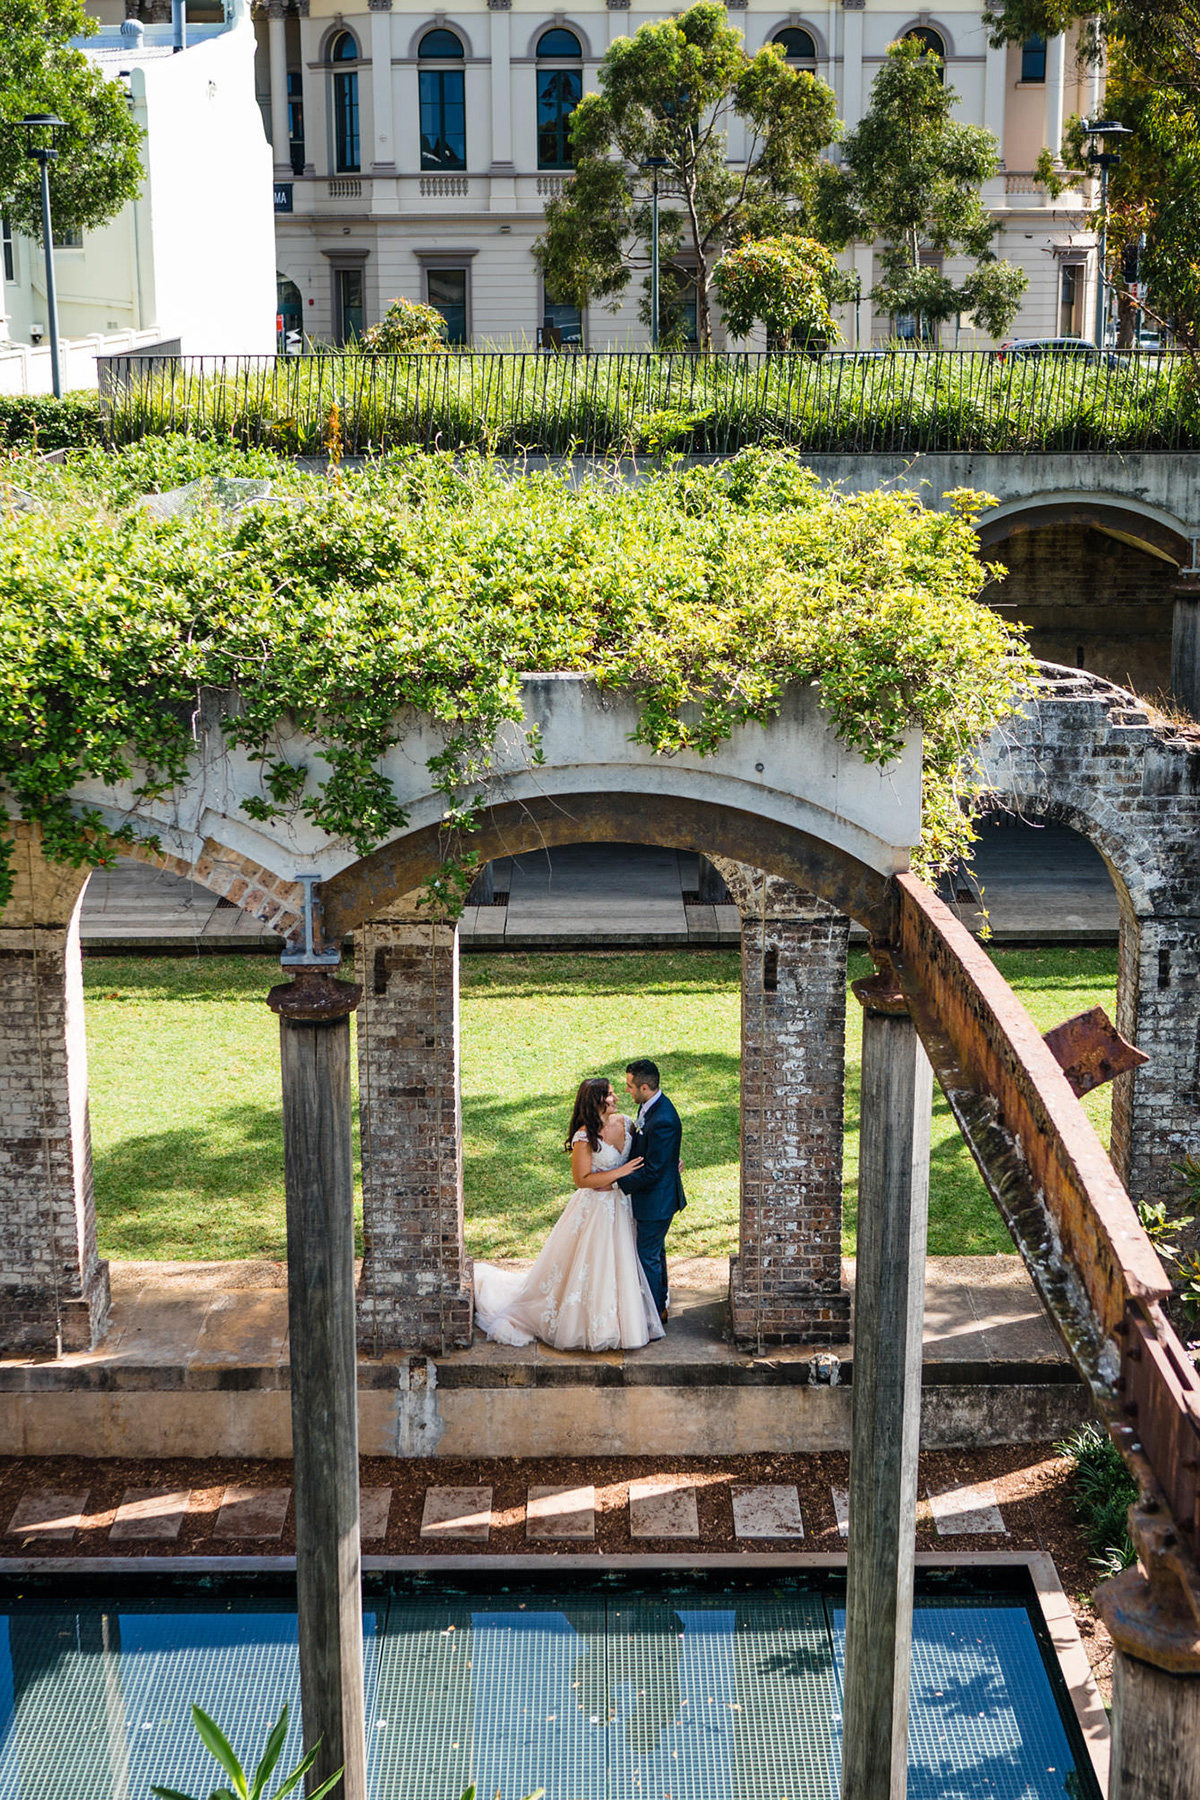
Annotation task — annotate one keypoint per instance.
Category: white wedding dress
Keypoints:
(587, 1290)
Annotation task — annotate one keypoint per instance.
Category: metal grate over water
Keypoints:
(617, 1695)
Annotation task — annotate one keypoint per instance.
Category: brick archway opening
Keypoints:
(1094, 582)
(795, 894)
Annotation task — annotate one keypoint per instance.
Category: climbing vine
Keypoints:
(340, 609)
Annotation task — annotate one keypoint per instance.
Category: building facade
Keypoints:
(415, 152)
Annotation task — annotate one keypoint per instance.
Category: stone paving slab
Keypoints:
(766, 1512)
(242, 1327)
(374, 1505)
(967, 1511)
(48, 1514)
(561, 1512)
(252, 1512)
(663, 1507)
(457, 1512)
(841, 1510)
(146, 1513)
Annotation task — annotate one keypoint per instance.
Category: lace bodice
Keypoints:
(608, 1156)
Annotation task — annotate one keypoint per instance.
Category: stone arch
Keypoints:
(563, 22)
(1089, 755)
(266, 896)
(443, 21)
(785, 1281)
(802, 22)
(1096, 580)
(928, 22)
(374, 884)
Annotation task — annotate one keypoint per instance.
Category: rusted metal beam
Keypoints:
(1046, 1168)
(1090, 1050)
(409, 862)
(1084, 1246)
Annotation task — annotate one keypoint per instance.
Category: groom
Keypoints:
(655, 1189)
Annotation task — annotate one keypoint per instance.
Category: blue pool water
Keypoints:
(688, 1693)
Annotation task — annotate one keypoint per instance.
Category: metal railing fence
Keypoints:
(625, 402)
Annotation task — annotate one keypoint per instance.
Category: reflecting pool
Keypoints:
(684, 1692)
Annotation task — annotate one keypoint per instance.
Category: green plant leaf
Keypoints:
(270, 1755)
(218, 1745)
(326, 1787)
(166, 1793)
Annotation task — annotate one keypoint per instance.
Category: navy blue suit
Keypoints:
(656, 1191)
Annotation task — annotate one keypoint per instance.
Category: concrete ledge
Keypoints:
(696, 1418)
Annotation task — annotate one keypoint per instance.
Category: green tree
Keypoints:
(668, 94)
(1151, 53)
(784, 282)
(910, 176)
(98, 167)
(407, 325)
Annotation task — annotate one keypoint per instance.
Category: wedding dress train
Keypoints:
(587, 1290)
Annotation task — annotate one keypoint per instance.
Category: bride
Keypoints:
(587, 1290)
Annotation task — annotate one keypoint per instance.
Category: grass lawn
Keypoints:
(185, 1093)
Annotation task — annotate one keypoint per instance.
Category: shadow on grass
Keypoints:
(211, 1192)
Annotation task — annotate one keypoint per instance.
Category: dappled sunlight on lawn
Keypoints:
(187, 1141)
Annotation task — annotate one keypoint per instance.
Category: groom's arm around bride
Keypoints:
(655, 1190)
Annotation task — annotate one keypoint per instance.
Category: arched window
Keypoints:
(560, 42)
(558, 92)
(797, 46)
(440, 43)
(933, 41)
(443, 103)
(347, 151)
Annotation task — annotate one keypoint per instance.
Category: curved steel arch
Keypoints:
(377, 881)
(1147, 527)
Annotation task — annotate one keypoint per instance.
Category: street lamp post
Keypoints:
(1104, 159)
(38, 127)
(654, 163)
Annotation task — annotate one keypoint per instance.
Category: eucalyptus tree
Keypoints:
(98, 167)
(1150, 52)
(910, 178)
(668, 97)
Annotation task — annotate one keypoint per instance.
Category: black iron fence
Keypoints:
(517, 403)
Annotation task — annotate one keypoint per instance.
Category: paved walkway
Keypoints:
(1040, 885)
(201, 1318)
(660, 1508)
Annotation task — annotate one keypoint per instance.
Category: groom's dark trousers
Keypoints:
(655, 1191)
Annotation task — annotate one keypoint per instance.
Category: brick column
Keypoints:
(415, 1290)
(785, 1283)
(53, 1287)
(1154, 1114)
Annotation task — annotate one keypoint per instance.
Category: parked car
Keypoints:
(1051, 346)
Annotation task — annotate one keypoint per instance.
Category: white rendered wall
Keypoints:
(208, 197)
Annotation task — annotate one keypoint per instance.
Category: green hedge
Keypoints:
(40, 422)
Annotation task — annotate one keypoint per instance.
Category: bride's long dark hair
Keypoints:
(588, 1110)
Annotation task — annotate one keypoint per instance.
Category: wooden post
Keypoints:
(1153, 1619)
(314, 1031)
(1156, 1733)
(889, 1296)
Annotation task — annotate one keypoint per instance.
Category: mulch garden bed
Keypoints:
(1032, 1485)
